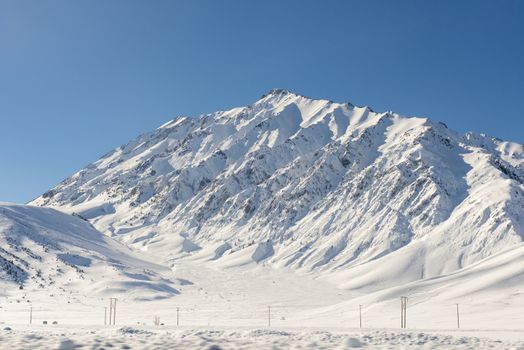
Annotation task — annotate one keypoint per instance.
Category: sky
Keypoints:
(79, 78)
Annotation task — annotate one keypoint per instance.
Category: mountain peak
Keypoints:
(279, 92)
(276, 177)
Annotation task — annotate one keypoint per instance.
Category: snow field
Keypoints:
(214, 339)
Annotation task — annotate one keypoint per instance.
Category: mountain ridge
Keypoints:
(306, 184)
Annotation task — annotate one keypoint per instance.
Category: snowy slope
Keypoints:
(50, 253)
(308, 185)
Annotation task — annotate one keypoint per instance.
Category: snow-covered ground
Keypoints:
(69, 271)
(229, 303)
(229, 308)
(68, 338)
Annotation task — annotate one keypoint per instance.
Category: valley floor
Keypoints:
(65, 338)
(229, 308)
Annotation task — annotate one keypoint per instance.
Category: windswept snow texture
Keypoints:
(217, 339)
(310, 185)
(50, 253)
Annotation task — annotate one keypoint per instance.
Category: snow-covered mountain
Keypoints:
(62, 256)
(311, 185)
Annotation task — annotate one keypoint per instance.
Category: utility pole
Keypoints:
(177, 316)
(360, 315)
(458, 317)
(269, 316)
(403, 311)
(105, 315)
(31, 315)
(112, 310)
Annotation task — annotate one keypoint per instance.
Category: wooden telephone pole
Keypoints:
(403, 311)
(360, 315)
(112, 311)
(458, 317)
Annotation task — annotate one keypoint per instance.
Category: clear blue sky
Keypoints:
(79, 78)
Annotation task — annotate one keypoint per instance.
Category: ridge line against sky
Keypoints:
(81, 78)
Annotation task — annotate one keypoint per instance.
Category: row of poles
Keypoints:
(403, 314)
(112, 314)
